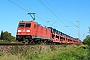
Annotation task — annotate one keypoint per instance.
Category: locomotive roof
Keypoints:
(25, 21)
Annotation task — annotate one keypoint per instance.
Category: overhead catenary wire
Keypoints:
(25, 5)
(55, 14)
(34, 10)
(18, 6)
(23, 8)
(31, 9)
(52, 12)
(53, 23)
(60, 14)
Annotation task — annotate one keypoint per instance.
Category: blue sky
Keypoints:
(65, 10)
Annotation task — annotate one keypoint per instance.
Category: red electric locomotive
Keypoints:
(32, 32)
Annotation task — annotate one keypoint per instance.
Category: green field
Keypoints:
(73, 52)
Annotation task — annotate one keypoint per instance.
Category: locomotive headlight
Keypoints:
(19, 30)
(28, 31)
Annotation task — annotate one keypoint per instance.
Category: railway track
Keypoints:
(20, 43)
(14, 43)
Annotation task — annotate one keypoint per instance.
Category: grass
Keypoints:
(55, 53)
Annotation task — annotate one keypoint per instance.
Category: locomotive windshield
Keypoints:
(28, 25)
(22, 25)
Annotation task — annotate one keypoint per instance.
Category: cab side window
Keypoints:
(34, 25)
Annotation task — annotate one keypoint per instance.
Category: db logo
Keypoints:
(23, 30)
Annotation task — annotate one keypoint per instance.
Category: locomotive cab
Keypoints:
(25, 31)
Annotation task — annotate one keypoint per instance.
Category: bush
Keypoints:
(1, 54)
(32, 57)
(7, 37)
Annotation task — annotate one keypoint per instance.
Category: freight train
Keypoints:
(32, 32)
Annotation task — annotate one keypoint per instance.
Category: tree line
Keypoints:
(7, 37)
(87, 40)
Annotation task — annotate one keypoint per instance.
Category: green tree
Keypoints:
(7, 37)
(87, 40)
(1, 36)
(13, 39)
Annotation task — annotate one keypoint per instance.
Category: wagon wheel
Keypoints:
(31, 42)
(26, 41)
